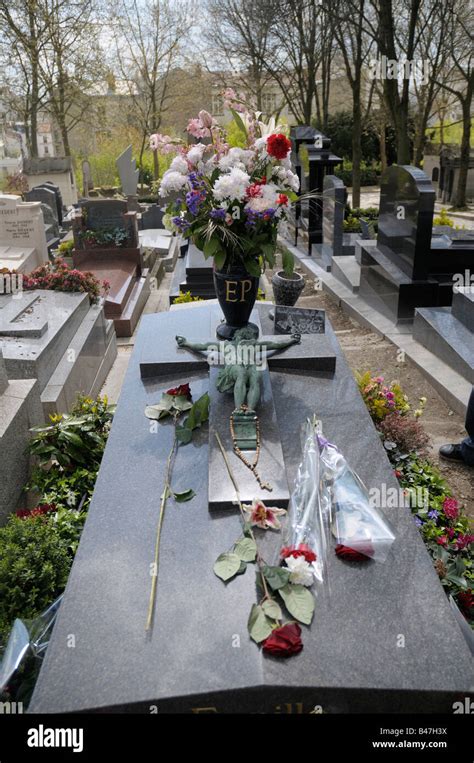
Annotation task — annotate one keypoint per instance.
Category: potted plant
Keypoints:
(287, 285)
(231, 201)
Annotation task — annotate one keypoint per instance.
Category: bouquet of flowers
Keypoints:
(231, 201)
(306, 538)
(360, 531)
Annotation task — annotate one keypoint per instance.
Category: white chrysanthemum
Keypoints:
(232, 185)
(195, 153)
(261, 145)
(209, 166)
(300, 570)
(268, 198)
(236, 157)
(173, 181)
(286, 162)
(179, 164)
(292, 180)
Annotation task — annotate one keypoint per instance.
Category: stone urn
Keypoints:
(287, 288)
(236, 291)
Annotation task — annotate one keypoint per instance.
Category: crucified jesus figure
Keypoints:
(240, 371)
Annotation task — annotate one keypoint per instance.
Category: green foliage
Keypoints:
(236, 137)
(65, 248)
(111, 237)
(75, 439)
(443, 219)
(34, 567)
(186, 296)
(369, 174)
(340, 129)
(381, 399)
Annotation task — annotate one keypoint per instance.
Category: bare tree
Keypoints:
(355, 45)
(71, 60)
(238, 34)
(24, 36)
(147, 36)
(460, 80)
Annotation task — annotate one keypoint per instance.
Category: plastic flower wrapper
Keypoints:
(305, 541)
(23, 655)
(358, 527)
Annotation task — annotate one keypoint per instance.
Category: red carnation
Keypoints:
(302, 550)
(278, 146)
(345, 552)
(254, 191)
(183, 390)
(282, 199)
(284, 641)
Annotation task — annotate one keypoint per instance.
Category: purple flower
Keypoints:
(433, 514)
(193, 201)
(418, 521)
(196, 180)
(218, 214)
(181, 223)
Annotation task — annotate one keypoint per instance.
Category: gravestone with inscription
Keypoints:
(106, 243)
(300, 320)
(406, 269)
(60, 340)
(22, 234)
(197, 657)
(20, 409)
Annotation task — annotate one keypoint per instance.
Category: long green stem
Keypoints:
(164, 498)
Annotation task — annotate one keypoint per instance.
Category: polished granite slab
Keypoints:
(450, 340)
(198, 655)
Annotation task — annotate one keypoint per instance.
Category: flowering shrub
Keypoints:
(65, 248)
(230, 201)
(381, 399)
(16, 184)
(444, 526)
(405, 433)
(60, 277)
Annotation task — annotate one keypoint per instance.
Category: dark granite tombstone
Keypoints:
(59, 199)
(406, 269)
(47, 197)
(198, 656)
(152, 217)
(193, 274)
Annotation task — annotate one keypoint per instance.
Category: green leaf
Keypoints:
(199, 413)
(184, 496)
(181, 403)
(227, 565)
(288, 262)
(272, 609)
(259, 625)
(219, 259)
(276, 577)
(166, 493)
(298, 601)
(211, 246)
(246, 549)
(183, 434)
(269, 253)
(238, 121)
(252, 267)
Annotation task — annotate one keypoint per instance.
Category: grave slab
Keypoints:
(22, 234)
(187, 663)
(441, 333)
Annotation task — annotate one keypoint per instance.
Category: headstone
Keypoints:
(117, 261)
(59, 199)
(52, 169)
(299, 320)
(87, 182)
(22, 234)
(193, 274)
(152, 217)
(345, 665)
(128, 172)
(47, 197)
(405, 270)
(334, 199)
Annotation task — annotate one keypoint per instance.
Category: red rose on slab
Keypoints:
(302, 550)
(344, 552)
(284, 641)
(183, 390)
(278, 146)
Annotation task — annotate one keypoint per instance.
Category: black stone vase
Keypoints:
(236, 291)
